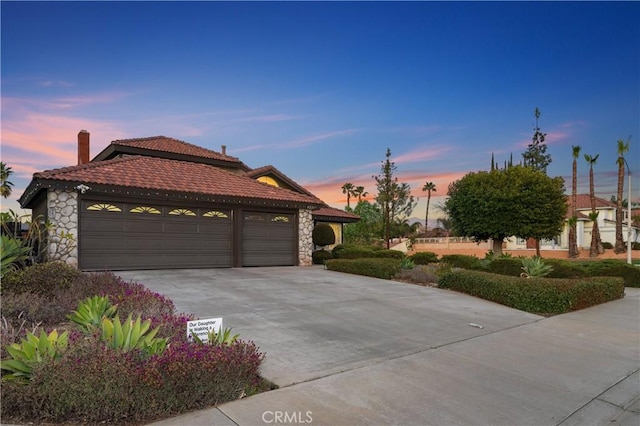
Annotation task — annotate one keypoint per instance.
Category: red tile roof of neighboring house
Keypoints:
(166, 144)
(172, 175)
(583, 201)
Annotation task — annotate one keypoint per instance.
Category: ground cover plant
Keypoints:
(94, 334)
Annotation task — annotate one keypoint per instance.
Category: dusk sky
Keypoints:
(320, 90)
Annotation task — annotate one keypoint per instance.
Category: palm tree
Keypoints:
(428, 187)
(596, 244)
(6, 184)
(573, 222)
(347, 189)
(622, 148)
(360, 192)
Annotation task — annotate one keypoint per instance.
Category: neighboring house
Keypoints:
(606, 224)
(159, 202)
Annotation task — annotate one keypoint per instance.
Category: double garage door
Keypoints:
(121, 236)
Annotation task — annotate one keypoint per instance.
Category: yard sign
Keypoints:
(202, 327)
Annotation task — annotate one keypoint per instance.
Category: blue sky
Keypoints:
(320, 90)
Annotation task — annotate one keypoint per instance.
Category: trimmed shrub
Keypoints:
(614, 268)
(462, 261)
(337, 250)
(566, 269)
(378, 268)
(537, 295)
(323, 235)
(607, 245)
(388, 254)
(424, 258)
(356, 253)
(506, 266)
(42, 278)
(319, 256)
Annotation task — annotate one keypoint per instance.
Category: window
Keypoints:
(268, 180)
(280, 219)
(182, 212)
(104, 207)
(145, 209)
(216, 213)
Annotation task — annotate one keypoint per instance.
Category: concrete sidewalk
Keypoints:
(353, 350)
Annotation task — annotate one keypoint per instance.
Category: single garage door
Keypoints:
(120, 236)
(269, 239)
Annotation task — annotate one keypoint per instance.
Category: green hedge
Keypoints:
(536, 295)
(462, 261)
(424, 258)
(506, 266)
(365, 252)
(561, 268)
(378, 268)
(319, 256)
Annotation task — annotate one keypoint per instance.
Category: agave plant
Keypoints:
(130, 335)
(224, 337)
(535, 267)
(13, 252)
(31, 350)
(91, 311)
(407, 263)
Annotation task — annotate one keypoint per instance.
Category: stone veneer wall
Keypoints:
(305, 239)
(63, 214)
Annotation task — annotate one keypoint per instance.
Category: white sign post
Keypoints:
(202, 327)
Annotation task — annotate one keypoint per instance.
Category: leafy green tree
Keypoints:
(394, 198)
(517, 201)
(6, 186)
(536, 155)
(623, 147)
(368, 229)
(596, 247)
(428, 187)
(573, 222)
(347, 189)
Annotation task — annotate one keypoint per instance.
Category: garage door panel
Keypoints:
(128, 240)
(269, 239)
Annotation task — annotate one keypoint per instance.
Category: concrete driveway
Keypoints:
(347, 349)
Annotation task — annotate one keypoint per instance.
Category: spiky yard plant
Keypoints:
(535, 267)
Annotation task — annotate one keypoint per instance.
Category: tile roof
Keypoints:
(269, 169)
(583, 201)
(330, 212)
(166, 144)
(172, 175)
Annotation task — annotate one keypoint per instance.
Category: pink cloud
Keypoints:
(421, 154)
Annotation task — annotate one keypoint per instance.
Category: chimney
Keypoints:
(83, 147)
(224, 150)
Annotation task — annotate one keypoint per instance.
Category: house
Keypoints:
(606, 225)
(159, 202)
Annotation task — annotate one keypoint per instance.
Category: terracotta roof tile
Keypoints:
(166, 144)
(327, 211)
(583, 201)
(173, 175)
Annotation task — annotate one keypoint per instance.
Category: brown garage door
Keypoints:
(118, 236)
(269, 239)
